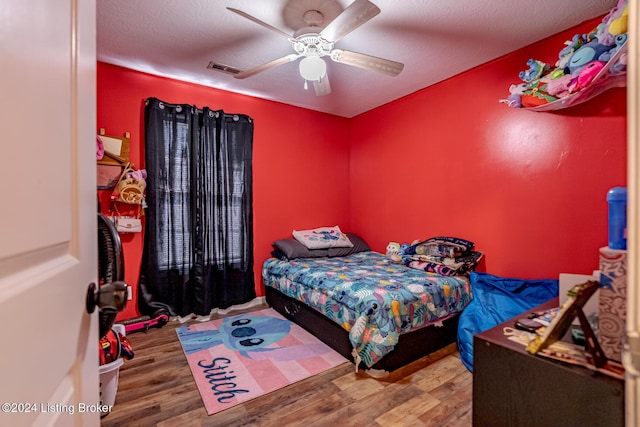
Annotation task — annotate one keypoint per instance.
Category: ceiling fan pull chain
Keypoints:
(305, 85)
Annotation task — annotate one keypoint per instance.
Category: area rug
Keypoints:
(238, 358)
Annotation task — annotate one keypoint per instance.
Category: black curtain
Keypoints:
(198, 243)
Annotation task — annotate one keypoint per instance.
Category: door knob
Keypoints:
(112, 296)
(91, 298)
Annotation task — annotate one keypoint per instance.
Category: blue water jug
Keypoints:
(617, 199)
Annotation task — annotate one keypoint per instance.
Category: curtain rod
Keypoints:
(212, 113)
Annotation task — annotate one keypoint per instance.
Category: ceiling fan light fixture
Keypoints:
(313, 68)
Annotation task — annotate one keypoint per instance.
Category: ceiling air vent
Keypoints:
(221, 67)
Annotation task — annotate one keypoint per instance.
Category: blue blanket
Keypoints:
(496, 300)
(370, 296)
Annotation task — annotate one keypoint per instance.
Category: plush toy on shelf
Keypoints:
(620, 40)
(515, 97)
(595, 60)
(537, 94)
(619, 26)
(535, 71)
(561, 86)
(585, 54)
(587, 74)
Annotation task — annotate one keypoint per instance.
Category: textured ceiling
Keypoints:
(434, 39)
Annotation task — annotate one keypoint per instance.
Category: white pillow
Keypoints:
(323, 237)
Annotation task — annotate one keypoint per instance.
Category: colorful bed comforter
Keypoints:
(373, 298)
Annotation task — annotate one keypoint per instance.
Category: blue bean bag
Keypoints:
(496, 300)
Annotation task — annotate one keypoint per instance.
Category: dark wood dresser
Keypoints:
(513, 388)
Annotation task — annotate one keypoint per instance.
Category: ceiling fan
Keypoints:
(313, 42)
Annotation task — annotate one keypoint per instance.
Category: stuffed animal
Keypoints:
(620, 39)
(140, 174)
(404, 247)
(613, 24)
(571, 46)
(585, 54)
(560, 87)
(555, 74)
(620, 64)
(535, 71)
(537, 95)
(393, 251)
(515, 98)
(620, 25)
(587, 74)
(393, 248)
(615, 12)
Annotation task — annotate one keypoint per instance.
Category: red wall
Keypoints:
(293, 150)
(529, 188)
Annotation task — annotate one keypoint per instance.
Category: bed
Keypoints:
(378, 313)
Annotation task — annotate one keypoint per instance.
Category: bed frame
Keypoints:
(411, 346)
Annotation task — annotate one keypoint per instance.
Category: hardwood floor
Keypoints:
(156, 388)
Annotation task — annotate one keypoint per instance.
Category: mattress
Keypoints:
(370, 296)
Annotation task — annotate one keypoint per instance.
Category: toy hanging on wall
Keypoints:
(588, 65)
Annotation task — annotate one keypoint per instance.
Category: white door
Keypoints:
(48, 250)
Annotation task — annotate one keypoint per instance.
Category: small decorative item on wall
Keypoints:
(116, 149)
(112, 155)
(129, 190)
(130, 187)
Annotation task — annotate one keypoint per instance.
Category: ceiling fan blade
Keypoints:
(264, 24)
(356, 14)
(322, 87)
(369, 62)
(260, 68)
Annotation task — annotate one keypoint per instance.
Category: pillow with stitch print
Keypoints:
(322, 238)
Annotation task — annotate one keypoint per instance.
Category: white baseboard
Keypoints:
(253, 303)
(256, 302)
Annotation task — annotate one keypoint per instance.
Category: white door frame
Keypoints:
(632, 348)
